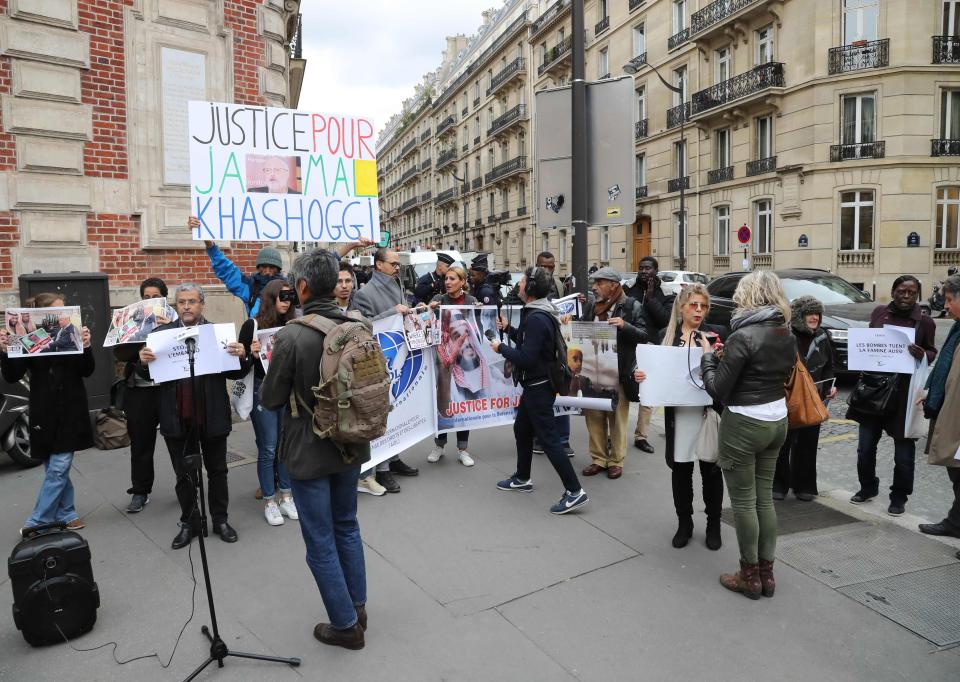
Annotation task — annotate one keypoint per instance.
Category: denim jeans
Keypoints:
(55, 500)
(535, 418)
(328, 521)
(904, 461)
(266, 428)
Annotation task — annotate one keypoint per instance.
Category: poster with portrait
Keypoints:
(43, 331)
(266, 338)
(413, 385)
(421, 328)
(267, 174)
(592, 358)
(132, 324)
(475, 387)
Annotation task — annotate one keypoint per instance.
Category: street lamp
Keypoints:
(631, 68)
(463, 180)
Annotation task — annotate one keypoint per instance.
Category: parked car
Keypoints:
(844, 305)
(672, 281)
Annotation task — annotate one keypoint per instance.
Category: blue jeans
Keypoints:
(328, 521)
(55, 500)
(904, 461)
(266, 427)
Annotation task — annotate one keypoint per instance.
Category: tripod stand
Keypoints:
(193, 466)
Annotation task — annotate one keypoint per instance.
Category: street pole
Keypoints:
(578, 161)
(683, 173)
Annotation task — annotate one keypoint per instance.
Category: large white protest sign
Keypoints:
(413, 385)
(172, 361)
(226, 333)
(879, 350)
(673, 376)
(277, 175)
(49, 331)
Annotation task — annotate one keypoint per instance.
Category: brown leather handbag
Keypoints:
(804, 405)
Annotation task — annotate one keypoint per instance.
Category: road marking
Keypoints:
(839, 438)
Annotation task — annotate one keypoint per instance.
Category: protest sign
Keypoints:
(277, 175)
(134, 323)
(673, 376)
(568, 305)
(413, 385)
(266, 338)
(172, 363)
(592, 358)
(226, 333)
(421, 329)
(879, 350)
(43, 331)
(475, 386)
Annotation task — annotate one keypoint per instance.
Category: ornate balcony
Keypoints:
(446, 124)
(521, 211)
(636, 3)
(556, 57)
(408, 147)
(638, 61)
(491, 219)
(478, 222)
(753, 82)
(446, 196)
(641, 192)
(715, 17)
(860, 55)
(464, 112)
(506, 169)
(678, 114)
(476, 140)
(944, 147)
(504, 215)
(503, 122)
(862, 150)
(464, 188)
(678, 39)
(640, 129)
(855, 259)
(476, 184)
(426, 196)
(507, 74)
(408, 204)
(602, 25)
(426, 135)
(674, 184)
(761, 166)
(446, 157)
(409, 173)
(465, 148)
(719, 175)
(946, 49)
(426, 164)
(554, 12)
(476, 102)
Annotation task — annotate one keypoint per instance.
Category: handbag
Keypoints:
(804, 405)
(875, 394)
(707, 446)
(110, 423)
(241, 395)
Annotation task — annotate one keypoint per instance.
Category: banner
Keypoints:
(43, 331)
(413, 386)
(277, 175)
(133, 323)
(475, 386)
(592, 358)
(172, 361)
(673, 376)
(880, 350)
(266, 338)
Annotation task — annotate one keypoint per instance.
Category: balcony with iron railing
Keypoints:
(678, 39)
(408, 204)
(719, 175)
(747, 85)
(678, 114)
(408, 147)
(478, 222)
(476, 140)
(507, 74)
(552, 14)
(425, 135)
(426, 164)
(944, 147)
(504, 215)
(446, 157)
(640, 129)
(521, 211)
(636, 3)
(862, 54)
(445, 196)
(761, 166)
(476, 184)
(602, 25)
(476, 102)
(946, 49)
(506, 169)
(716, 17)
(674, 184)
(505, 121)
(464, 112)
(491, 219)
(860, 150)
(641, 192)
(556, 57)
(446, 124)
(638, 61)
(426, 196)
(465, 147)
(409, 173)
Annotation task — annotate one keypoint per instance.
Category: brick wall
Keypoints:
(9, 223)
(241, 16)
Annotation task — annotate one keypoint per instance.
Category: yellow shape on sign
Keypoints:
(364, 178)
(613, 212)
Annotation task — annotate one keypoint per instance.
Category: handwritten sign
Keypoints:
(880, 350)
(277, 175)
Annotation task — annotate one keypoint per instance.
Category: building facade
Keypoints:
(94, 162)
(828, 127)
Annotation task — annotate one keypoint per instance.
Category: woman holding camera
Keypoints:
(275, 310)
(748, 375)
(682, 424)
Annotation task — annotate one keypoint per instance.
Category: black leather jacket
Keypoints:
(633, 332)
(757, 360)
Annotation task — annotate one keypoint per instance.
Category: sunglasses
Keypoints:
(287, 296)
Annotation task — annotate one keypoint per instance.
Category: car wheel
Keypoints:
(20, 449)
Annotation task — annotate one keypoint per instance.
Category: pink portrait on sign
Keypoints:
(273, 174)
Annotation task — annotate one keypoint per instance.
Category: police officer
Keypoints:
(485, 291)
(431, 284)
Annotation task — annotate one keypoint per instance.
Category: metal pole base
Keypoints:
(219, 651)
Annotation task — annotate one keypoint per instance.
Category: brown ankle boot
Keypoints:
(767, 582)
(351, 638)
(746, 580)
(362, 616)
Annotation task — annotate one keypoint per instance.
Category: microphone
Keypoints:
(191, 342)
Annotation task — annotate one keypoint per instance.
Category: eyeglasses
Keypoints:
(393, 264)
(698, 306)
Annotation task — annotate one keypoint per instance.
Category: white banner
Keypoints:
(172, 361)
(880, 350)
(277, 175)
(673, 376)
(412, 390)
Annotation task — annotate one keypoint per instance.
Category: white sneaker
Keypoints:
(272, 513)
(289, 509)
(465, 458)
(435, 454)
(370, 486)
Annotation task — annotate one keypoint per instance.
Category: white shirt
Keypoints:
(767, 412)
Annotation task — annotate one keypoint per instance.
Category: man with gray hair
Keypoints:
(193, 423)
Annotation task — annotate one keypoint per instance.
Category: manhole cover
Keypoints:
(238, 459)
(797, 517)
(925, 602)
(860, 553)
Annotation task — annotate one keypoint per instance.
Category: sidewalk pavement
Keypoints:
(469, 583)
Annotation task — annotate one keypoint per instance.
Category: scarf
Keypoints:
(449, 352)
(937, 381)
(602, 308)
(745, 318)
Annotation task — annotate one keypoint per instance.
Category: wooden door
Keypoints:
(642, 240)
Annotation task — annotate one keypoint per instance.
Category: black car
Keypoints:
(844, 305)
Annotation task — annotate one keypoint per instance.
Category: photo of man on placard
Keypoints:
(273, 174)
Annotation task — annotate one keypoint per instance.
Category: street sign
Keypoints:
(803, 242)
(743, 235)
(913, 240)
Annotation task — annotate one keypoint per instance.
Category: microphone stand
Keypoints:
(218, 648)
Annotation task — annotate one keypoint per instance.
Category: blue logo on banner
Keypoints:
(402, 376)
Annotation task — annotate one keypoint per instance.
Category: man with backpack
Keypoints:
(323, 470)
(541, 369)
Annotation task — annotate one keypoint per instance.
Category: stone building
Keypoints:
(828, 127)
(94, 164)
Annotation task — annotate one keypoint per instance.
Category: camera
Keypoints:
(499, 277)
(711, 337)
(289, 296)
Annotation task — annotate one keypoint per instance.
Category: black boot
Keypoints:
(684, 532)
(713, 534)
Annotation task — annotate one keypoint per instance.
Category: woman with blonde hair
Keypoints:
(682, 424)
(748, 375)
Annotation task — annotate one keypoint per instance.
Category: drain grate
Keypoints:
(798, 517)
(238, 459)
(861, 553)
(926, 602)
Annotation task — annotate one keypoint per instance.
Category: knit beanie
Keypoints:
(269, 256)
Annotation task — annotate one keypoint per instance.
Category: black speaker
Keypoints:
(54, 594)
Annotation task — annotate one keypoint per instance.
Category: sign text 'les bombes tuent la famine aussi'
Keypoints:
(265, 174)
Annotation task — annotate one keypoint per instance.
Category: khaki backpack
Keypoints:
(353, 397)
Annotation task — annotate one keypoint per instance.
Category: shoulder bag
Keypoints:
(804, 405)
